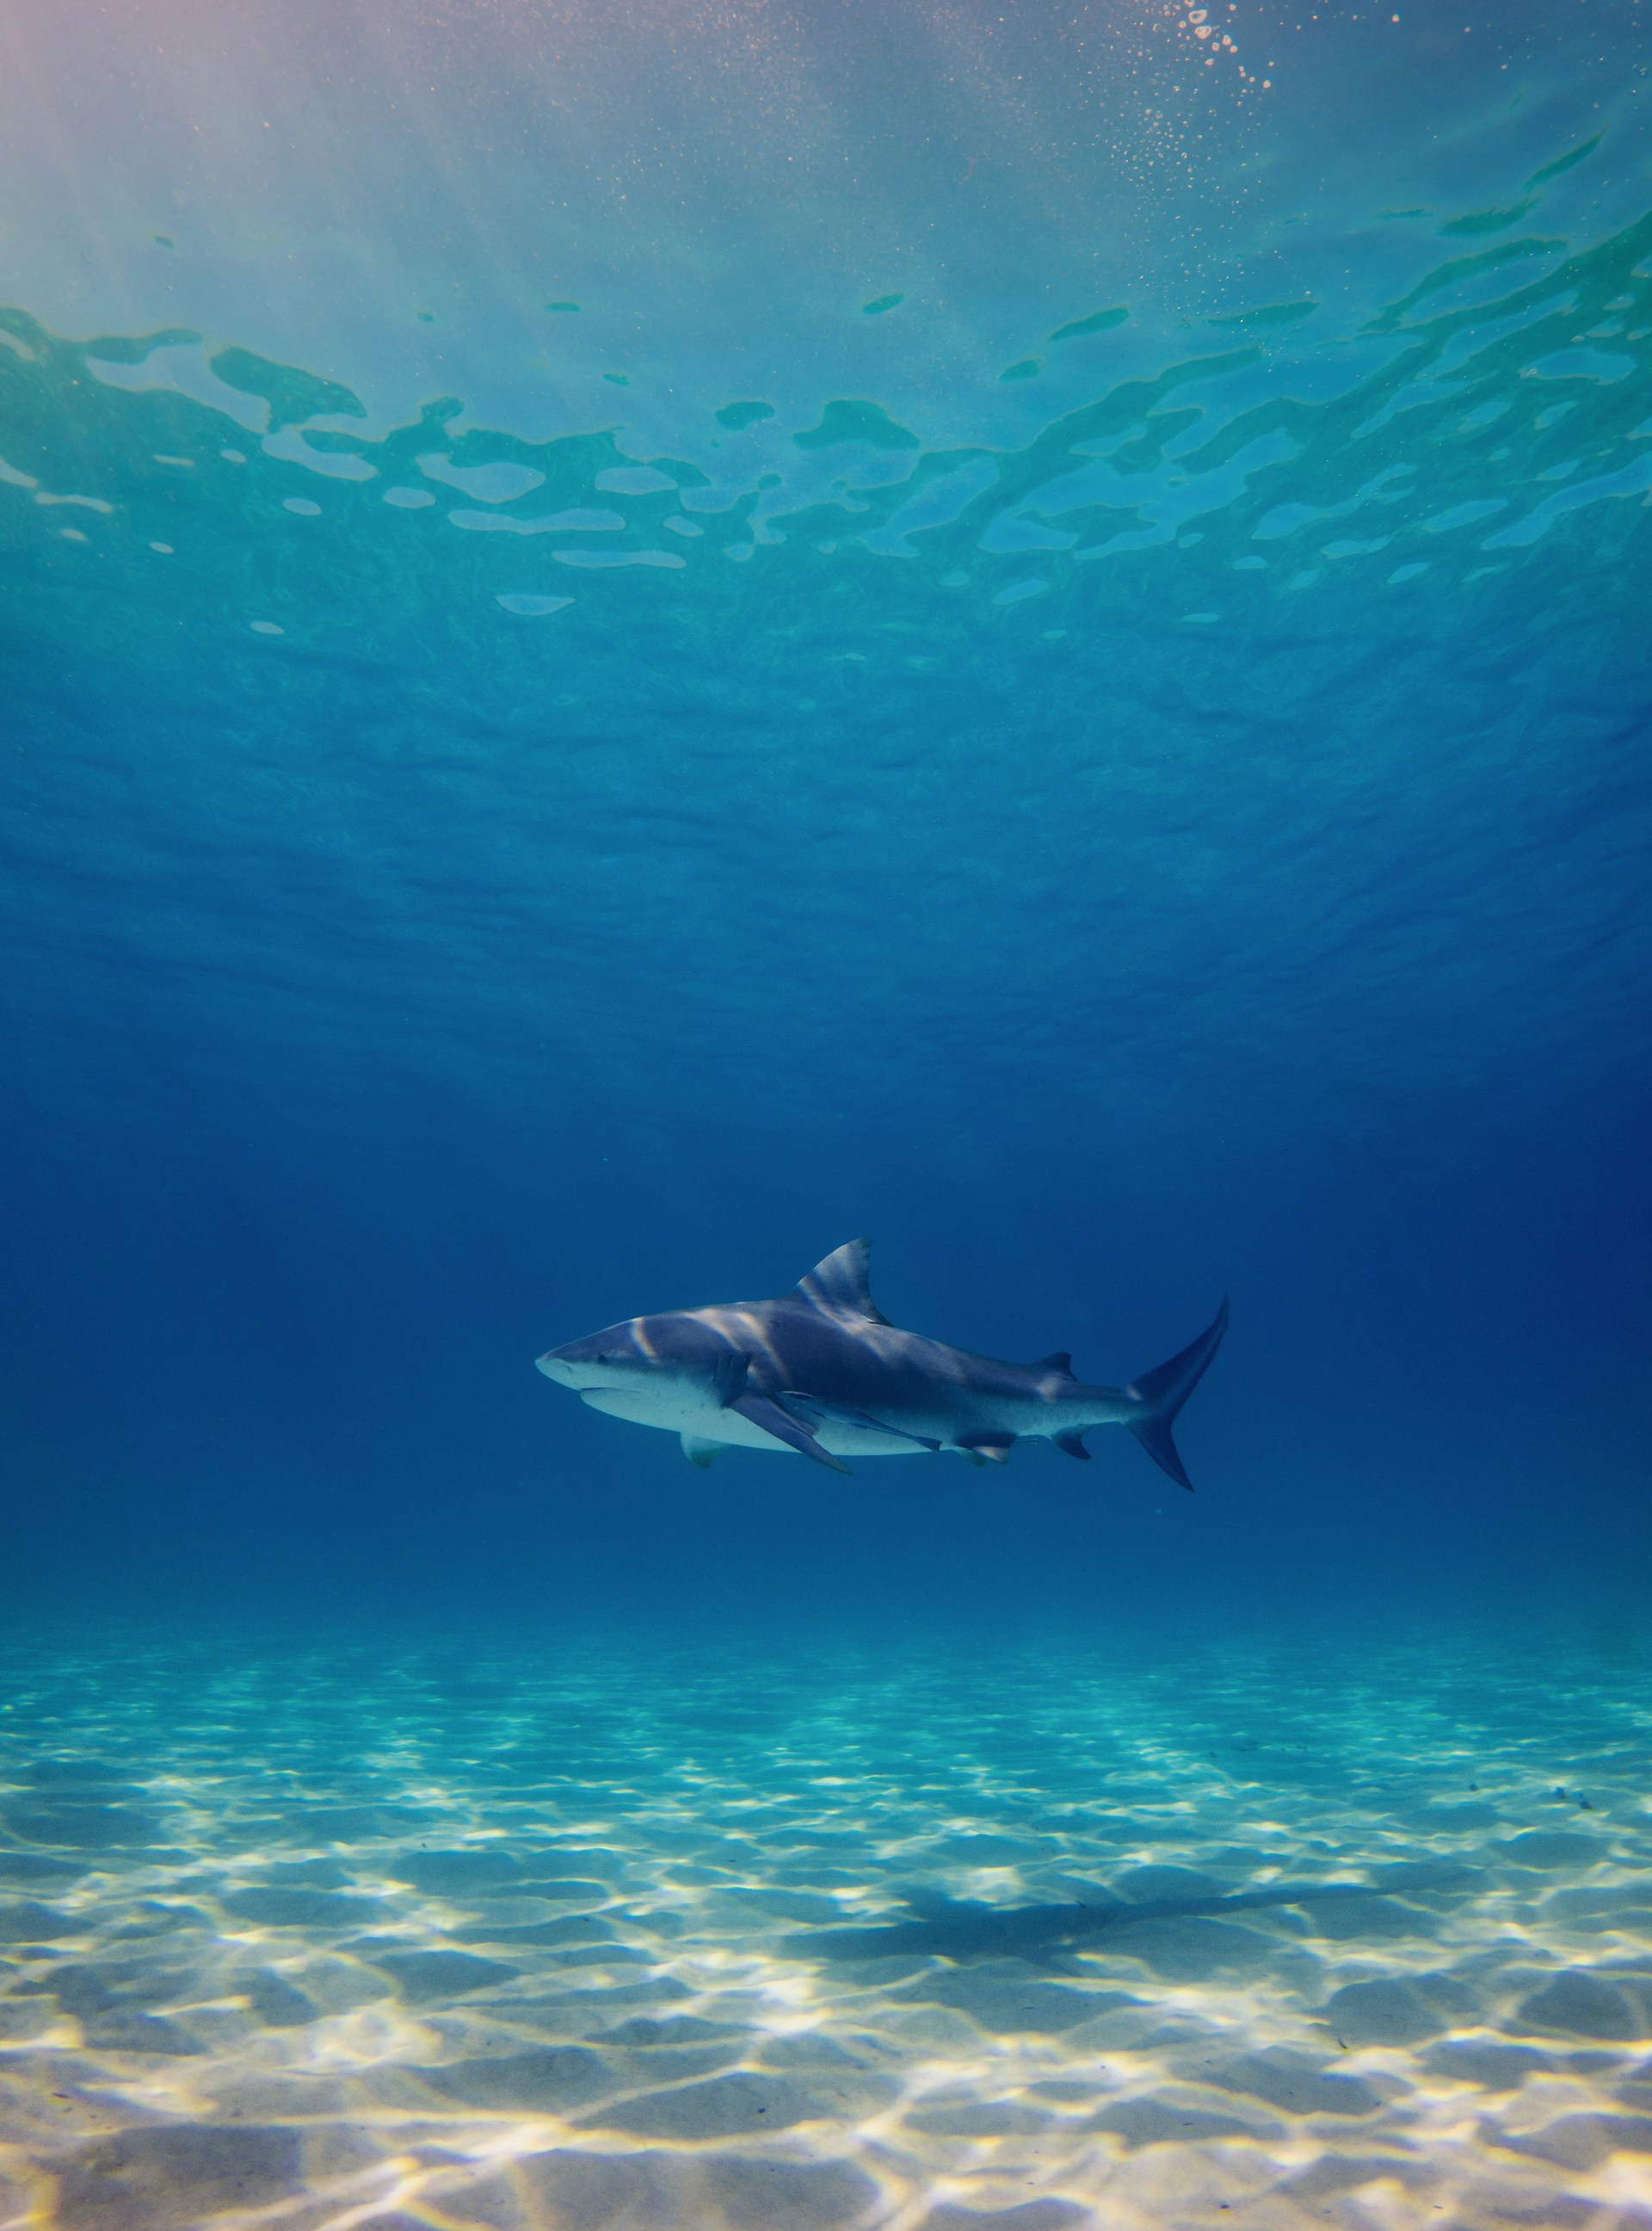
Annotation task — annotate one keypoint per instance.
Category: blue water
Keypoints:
(637, 643)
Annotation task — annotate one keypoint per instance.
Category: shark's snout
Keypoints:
(604, 1359)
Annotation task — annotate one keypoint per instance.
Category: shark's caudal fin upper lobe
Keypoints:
(1161, 1392)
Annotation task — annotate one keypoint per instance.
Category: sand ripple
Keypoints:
(596, 1937)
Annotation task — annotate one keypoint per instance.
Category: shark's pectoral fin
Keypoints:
(699, 1451)
(813, 1410)
(994, 1447)
(769, 1418)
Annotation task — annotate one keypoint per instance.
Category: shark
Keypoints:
(821, 1373)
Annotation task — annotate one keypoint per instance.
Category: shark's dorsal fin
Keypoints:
(1062, 1362)
(839, 1286)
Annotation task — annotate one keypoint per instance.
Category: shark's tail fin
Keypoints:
(1161, 1392)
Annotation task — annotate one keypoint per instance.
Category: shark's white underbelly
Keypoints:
(676, 1410)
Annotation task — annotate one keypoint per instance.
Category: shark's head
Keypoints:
(656, 1371)
(615, 1359)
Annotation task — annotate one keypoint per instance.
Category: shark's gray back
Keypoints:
(828, 1337)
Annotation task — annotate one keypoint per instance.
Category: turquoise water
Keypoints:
(633, 643)
(394, 1933)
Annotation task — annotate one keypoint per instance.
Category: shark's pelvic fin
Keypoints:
(1161, 1392)
(698, 1451)
(994, 1447)
(1071, 1444)
(769, 1418)
(838, 1284)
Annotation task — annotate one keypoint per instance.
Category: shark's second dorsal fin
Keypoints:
(1062, 1362)
(839, 1285)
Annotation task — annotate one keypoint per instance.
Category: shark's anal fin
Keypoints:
(1072, 1444)
(994, 1447)
(698, 1451)
(769, 1418)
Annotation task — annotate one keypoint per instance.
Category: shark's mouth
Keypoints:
(620, 1400)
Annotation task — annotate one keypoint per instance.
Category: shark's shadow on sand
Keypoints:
(965, 1930)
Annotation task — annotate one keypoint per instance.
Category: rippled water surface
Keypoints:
(637, 639)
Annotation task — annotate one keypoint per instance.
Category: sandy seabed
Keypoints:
(942, 1934)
